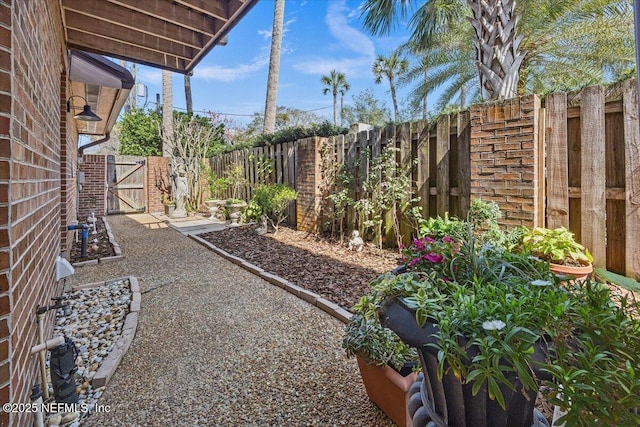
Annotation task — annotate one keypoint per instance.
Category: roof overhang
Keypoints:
(103, 83)
(169, 34)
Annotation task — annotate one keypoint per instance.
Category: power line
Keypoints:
(237, 114)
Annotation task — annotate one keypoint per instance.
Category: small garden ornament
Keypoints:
(356, 243)
(263, 227)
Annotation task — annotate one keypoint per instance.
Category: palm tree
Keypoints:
(558, 44)
(336, 83)
(167, 113)
(187, 93)
(390, 67)
(496, 41)
(274, 68)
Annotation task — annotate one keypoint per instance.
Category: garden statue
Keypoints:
(181, 192)
(263, 227)
(356, 243)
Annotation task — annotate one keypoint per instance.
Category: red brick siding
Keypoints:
(157, 179)
(68, 171)
(504, 157)
(308, 175)
(31, 66)
(93, 195)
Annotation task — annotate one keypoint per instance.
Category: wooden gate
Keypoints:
(126, 184)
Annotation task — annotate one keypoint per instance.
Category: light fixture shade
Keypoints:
(87, 115)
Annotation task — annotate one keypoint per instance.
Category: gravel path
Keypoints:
(216, 345)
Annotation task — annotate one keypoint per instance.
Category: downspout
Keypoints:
(107, 136)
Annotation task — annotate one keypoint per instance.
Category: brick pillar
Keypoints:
(93, 195)
(158, 182)
(308, 176)
(504, 158)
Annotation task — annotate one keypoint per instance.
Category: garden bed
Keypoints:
(320, 265)
(98, 245)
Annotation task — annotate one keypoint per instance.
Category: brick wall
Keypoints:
(505, 158)
(31, 63)
(158, 182)
(68, 171)
(93, 195)
(308, 176)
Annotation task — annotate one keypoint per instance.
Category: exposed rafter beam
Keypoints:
(120, 16)
(108, 31)
(174, 13)
(115, 48)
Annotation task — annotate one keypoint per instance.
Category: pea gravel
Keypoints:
(218, 346)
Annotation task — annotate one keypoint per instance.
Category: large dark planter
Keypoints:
(449, 402)
(388, 389)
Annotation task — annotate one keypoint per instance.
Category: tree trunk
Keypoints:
(167, 113)
(187, 93)
(497, 47)
(335, 109)
(274, 69)
(396, 112)
(463, 96)
(425, 105)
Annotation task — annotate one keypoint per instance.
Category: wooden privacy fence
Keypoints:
(593, 172)
(261, 165)
(434, 157)
(566, 160)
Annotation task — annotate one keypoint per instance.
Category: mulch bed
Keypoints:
(321, 265)
(98, 245)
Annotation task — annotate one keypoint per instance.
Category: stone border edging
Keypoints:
(116, 248)
(312, 298)
(113, 359)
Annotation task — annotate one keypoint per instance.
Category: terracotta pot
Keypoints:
(388, 390)
(580, 273)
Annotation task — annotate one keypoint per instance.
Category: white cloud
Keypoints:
(230, 74)
(346, 35)
(352, 67)
(149, 75)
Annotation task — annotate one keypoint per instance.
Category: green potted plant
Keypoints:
(217, 187)
(169, 206)
(559, 248)
(384, 361)
(493, 326)
(234, 208)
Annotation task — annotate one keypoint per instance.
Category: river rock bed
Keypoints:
(94, 324)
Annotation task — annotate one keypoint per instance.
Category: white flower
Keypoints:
(541, 283)
(493, 325)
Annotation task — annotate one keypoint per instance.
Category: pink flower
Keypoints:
(447, 239)
(433, 257)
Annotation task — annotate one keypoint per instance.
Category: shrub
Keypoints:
(273, 200)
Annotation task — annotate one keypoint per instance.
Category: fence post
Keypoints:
(308, 177)
(504, 151)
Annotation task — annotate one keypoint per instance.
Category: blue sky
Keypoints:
(319, 35)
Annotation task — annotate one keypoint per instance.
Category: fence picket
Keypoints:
(593, 186)
(464, 162)
(557, 164)
(632, 178)
(442, 161)
(278, 164)
(422, 178)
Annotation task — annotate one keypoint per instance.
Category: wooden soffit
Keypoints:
(169, 34)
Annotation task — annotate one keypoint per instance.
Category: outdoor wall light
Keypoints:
(87, 115)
